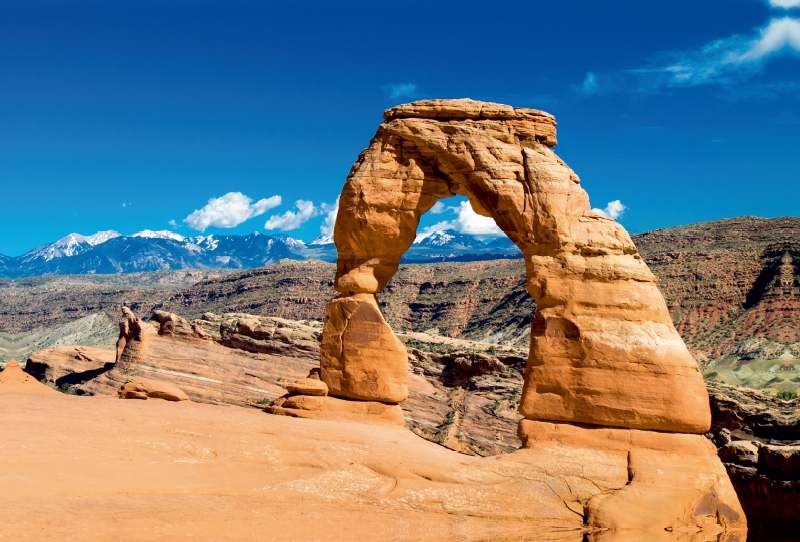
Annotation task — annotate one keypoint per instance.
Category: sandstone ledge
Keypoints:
(358, 482)
(335, 409)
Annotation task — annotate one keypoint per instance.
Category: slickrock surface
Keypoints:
(603, 347)
(14, 380)
(78, 468)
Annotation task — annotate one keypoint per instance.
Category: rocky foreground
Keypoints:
(152, 469)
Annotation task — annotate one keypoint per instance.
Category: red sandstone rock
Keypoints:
(69, 364)
(603, 347)
(308, 386)
(360, 357)
(673, 480)
(14, 380)
(333, 408)
(149, 389)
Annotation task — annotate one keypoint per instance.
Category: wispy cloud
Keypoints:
(468, 222)
(614, 209)
(728, 60)
(590, 85)
(173, 224)
(229, 211)
(331, 210)
(403, 90)
(785, 4)
(291, 220)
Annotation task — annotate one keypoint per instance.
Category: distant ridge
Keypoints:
(108, 252)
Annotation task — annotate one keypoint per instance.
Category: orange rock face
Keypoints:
(360, 357)
(603, 347)
(14, 380)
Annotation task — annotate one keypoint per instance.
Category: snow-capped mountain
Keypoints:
(447, 239)
(101, 237)
(324, 239)
(160, 234)
(71, 245)
(147, 250)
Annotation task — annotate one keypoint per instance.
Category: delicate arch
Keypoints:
(603, 347)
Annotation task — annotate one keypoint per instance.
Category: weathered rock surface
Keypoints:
(69, 365)
(603, 347)
(238, 469)
(759, 443)
(150, 389)
(308, 386)
(360, 357)
(333, 408)
(14, 380)
(132, 343)
(194, 356)
(663, 473)
(270, 336)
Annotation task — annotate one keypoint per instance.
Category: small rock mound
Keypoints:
(150, 389)
(308, 386)
(14, 380)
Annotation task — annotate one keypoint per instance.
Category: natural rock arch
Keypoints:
(603, 348)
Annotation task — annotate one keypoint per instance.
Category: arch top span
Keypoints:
(603, 347)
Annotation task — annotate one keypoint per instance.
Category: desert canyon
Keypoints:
(592, 422)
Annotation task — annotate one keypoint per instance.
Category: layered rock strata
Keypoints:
(606, 373)
(228, 359)
(759, 443)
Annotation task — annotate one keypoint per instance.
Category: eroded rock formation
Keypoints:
(606, 369)
(14, 380)
(603, 347)
(132, 344)
(759, 443)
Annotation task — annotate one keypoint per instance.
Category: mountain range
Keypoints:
(108, 252)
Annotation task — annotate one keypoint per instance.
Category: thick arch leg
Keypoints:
(360, 356)
(387, 191)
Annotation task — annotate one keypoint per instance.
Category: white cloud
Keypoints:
(330, 210)
(785, 4)
(405, 90)
(726, 60)
(173, 224)
(468, 222)
(438, 208)
(291, 220)
(229, 211)
(779, 34)
(614, 209)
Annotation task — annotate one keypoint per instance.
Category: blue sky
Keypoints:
(129, 115)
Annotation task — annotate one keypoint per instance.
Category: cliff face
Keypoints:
(758, 437)
(733, 290)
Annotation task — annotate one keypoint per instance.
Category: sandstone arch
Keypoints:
(603, 347)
